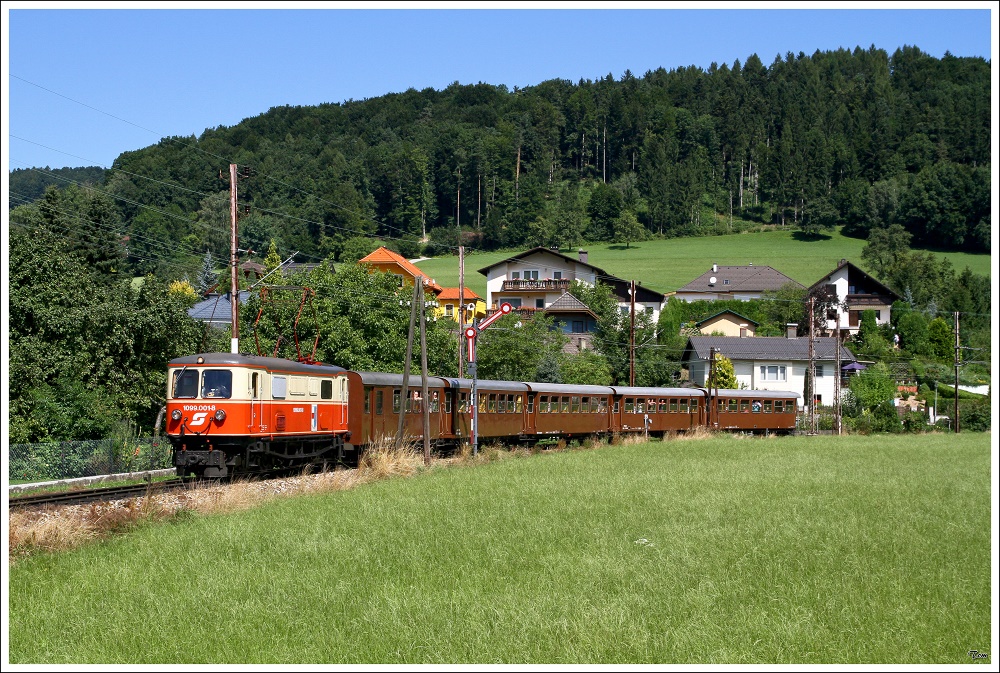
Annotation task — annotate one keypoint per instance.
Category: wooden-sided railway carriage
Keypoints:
(229, 414)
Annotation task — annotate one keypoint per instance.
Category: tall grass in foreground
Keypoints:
(727, 550)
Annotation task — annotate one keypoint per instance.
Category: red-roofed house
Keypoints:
(448, 304)
(388, 261)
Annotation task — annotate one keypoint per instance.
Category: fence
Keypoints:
(28, 463)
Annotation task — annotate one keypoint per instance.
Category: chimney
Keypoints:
(791, 329)
(583, 255)
(715, 268)
(743, 331)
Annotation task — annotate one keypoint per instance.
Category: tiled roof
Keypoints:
(764, 348)
(567, 302)
(741, 279)
(385, 256)
(741, 317)
(216, 308)
(452, 293)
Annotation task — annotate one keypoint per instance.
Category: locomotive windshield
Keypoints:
(186, 383)
(217, 383)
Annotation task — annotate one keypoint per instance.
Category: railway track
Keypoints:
(100, 494)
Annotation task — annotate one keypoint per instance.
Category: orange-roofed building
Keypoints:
(448, 304)
(388, 261)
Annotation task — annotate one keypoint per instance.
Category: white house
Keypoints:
(855, 291)
(771, 363)
(537, 278)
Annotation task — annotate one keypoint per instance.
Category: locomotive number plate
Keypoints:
(199, 407)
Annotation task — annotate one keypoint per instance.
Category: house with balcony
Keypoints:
(537, 278)
(772, 363)
(734, 282)
(848, 291)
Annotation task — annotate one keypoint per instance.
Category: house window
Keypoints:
(725, 282)
(399, 278)
(515, 275)
(577, 326)
(557, 275)
(772, 372)
(539, 303)
(819, 371)
(531, 274)
(449, 310)
(515, 302)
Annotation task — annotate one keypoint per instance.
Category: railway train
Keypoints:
(229, 414)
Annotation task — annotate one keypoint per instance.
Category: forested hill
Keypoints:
(855, 138)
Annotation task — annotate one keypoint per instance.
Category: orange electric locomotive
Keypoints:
(231, 413)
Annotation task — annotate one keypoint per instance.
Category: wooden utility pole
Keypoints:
(712, 400)
(812, 368)
(234, 288)
(631, 337)
(958, 358)
(423, 379)
(417, 283)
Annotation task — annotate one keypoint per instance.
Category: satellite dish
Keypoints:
(711, 281)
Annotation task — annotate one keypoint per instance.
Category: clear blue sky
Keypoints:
(82, 86)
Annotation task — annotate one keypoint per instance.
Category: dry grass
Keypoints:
(698, 432)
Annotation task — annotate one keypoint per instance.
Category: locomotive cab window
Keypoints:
(326, 390)
(217, 383)
(186, 383)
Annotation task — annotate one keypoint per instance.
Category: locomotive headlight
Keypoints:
(220, 415)
(175, 414)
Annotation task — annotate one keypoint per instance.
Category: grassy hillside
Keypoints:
(724, 550)
(666, 265)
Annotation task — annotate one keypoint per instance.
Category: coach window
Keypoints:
(447, 402)
(482, 403)
(368, 400)
(662, 404)
(744, 406)
(639, 408)
(756, 406)
(492, 403)
(435, 402)
(732, 404)
(217, 383)
(767, 406)
(694, 405)
(616, 407)
(395, 401)
(629, 405)
(673, 405)
(603, 408)
(778, 407)
(574, 404)
(683, 406)
(519, 404)
(543, 404)
(565, 404)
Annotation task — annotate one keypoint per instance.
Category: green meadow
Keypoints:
(799, 550)
(666, 265)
